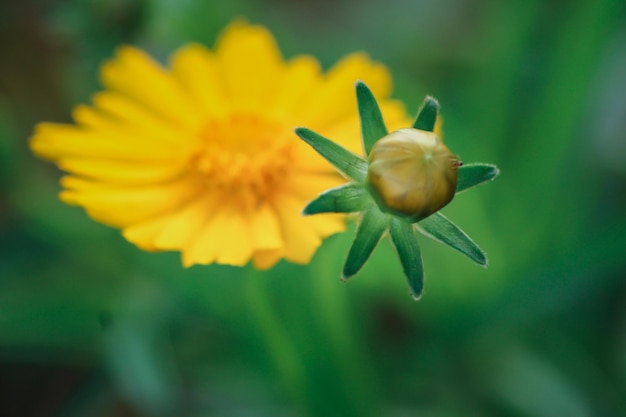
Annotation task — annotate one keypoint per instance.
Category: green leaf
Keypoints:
(368, 233)
(372, 123)
(407, 247)
(473, 174)
(439, 228)
(347, 198)
(351, 165)
(427, 115)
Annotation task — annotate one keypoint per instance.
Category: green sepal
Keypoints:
(351, 165)
(372, 123)
(439, 228)
(347, 198)
(368, 233)
(427, 115)
(471, 175)
(407, 247)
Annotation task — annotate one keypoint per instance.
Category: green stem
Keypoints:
(277, 340)
(350, 359)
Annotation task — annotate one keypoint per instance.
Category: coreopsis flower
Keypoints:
(200, 156)
(398, 188)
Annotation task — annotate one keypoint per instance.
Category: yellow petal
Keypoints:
(439, 127)
(135, 117)
(182, 227)
(89, 118)
(123, 206)
(329, 224)
(265, 229)
(196, 69)
(122, 172)
(139, 77)
(54, 141)
(268, 241)
(347, 132)
(299, 233)
(335, 99)
(395, 115)
(307, 186)
(225, 239)
(301, 76)
(265, 259)
(236, 238)
(143, 234)
(308, 160)
(250, 65)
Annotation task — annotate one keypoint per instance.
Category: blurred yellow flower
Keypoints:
(201, 157)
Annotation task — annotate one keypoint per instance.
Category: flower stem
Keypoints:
(350, 359)
(277, 340)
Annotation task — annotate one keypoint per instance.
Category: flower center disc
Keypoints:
(243, 155)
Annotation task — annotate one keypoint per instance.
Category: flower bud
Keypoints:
(411, 173)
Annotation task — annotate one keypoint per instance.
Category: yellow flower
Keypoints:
(200, 157)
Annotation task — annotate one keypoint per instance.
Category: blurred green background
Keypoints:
(91, 326)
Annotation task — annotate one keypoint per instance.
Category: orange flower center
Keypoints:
(243, 155)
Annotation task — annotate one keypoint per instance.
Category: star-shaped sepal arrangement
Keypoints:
(406, 177)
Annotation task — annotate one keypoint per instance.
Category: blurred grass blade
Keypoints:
(351, 165)
(348, 198)
(427, 115)
(407, 247)
(474, 174)
(372, 123)
(439, 228)
(368, 233)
